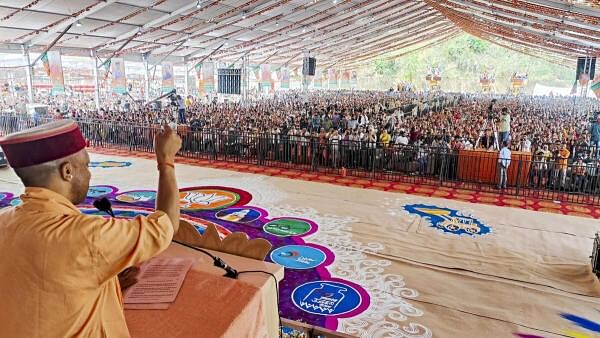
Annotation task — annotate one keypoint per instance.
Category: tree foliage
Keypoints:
(462, 61)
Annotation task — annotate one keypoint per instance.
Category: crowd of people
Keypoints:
(424, 123)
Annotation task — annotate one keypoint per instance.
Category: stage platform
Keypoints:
(374, 263)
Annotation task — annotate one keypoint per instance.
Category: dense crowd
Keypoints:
(548, 127)
(439, 120)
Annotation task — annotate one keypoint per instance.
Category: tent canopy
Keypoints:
(337, 32)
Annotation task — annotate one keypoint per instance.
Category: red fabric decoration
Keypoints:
(42, 145)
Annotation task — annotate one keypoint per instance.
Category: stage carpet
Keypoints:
(384, 264)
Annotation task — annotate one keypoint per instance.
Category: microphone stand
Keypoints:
(104, 205)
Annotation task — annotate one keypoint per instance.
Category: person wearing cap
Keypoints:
(58, 267)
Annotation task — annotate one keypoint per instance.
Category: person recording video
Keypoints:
(504, 127)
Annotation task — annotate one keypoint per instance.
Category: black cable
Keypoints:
(276, 294)
(218, 262)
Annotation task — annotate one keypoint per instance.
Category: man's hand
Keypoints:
(128, 276)
(166, 145)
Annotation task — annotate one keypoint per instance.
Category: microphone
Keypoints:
(104, 205)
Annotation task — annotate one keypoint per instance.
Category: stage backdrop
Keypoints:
(56, 72)
(119, 82)
(168, 80)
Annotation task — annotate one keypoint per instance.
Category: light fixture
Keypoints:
(198, 4)
(244, 14)
(335, 2)
(304, 30)
(78, 23)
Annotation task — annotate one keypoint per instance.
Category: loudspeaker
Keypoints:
(586, 65)
(229, 80)
(308, 66)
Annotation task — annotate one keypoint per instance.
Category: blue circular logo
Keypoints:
(298, 257)
(136, 196)
(326, 298)
(15, 202)
(238, 215)
(99, 191)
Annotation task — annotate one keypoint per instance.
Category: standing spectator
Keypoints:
(504, 159)
(595, 135)
(562, 161)
(526, 145)
(504, 128)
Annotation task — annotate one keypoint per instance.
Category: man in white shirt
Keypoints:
(401, 139)
(503, 164)
(526, 145)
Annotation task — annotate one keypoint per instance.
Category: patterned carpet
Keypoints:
(491, 198)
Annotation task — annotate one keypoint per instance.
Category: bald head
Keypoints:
(68, 176)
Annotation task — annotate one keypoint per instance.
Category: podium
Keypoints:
(210, 305)
(481, 166)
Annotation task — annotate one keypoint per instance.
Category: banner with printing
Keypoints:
(345, 79)
(265, 76)
(56, 72)
(596, 89)
(46, 63)
(199, 81)
(318, 79)
(354, 79)
(168, 79)
(333, 80)
(119, 81)
(208, 76)
(285, 78)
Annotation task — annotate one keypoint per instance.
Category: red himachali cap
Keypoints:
(41, 144)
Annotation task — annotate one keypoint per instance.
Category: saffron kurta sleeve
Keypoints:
(116, 244)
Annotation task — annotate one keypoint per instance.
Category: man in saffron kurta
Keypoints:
(58, 267)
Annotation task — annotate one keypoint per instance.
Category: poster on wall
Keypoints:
(168, 80)
(119, 82)
(208, 76)
(265, 76)
(285, 78)
(56, 72)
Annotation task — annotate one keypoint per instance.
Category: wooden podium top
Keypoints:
(210, 305)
